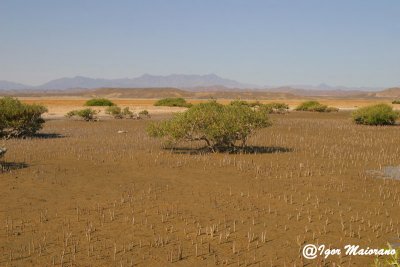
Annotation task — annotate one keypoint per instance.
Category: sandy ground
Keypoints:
(80, 194)
(59, 106)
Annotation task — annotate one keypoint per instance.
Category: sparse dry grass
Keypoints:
(97, 198)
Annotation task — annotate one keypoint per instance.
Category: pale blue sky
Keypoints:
(341, 42)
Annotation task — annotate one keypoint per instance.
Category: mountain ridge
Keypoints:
(145, 80)
(183, 81)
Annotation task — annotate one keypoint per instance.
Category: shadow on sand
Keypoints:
(236, 150)
(47, 136)
(10, 166)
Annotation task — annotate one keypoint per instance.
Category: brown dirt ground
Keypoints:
(83, 195)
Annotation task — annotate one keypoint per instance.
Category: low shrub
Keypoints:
(239, 102)
(144, 113)
(274, 107)
(315, 106)
(255, 104)
(396, 102)
(18, 119)
(114, 111)
(119, 113)
(318, 108)
(127, 113)
(87, 114)
(380, 114)
(269, 108)
(173, 102)
(311, 106)
(99, 102)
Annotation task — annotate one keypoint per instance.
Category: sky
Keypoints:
(264, 42)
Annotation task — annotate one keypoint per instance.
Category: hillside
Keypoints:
(390, 92)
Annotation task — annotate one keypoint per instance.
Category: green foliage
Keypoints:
(18, 119)
(239, 102)
(396, 102)
(99, 102)
(305, 106)
(245, 103)
(87, 114)
(255, 104)
(144, 113)
(127, 113)
(380, 114)
(220, 126)
(315, 106)
(173, 102)
(311, 106)
(274, 107)
(114, 111)
(277, 105)
(119, 113)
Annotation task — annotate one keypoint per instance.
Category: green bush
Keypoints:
(396, 102)
(99, 102)
(18, 119)
(238, 102)
(380, 114)
(255, 104)
(114, 111)
(318, 108)
(144, 113)
(127, 113)
(119, 113)
(245, 103)
(315, 106)
(274, 107)
(173, 102)
(87, 114)
(311, 106)
(305, 106)
(219, 126)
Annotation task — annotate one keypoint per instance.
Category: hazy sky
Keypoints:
(348, 42)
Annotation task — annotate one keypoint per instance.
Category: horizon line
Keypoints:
(251, 85)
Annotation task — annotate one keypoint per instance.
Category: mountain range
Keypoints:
(182, 81)
(146, 80)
